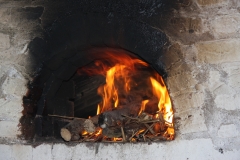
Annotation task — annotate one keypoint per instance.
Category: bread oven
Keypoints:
(111, 73)
(174, 64)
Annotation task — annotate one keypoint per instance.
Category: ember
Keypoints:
(135, 106)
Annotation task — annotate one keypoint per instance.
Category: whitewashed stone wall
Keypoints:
(204, 83)
(15, 34)
(204, 80)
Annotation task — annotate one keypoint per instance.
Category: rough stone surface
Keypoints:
(220, 51)
(22, 152)
(203, 65)
(203, 71)
(211, 2)
(62, 151)
(42, 152)
(181, 82)
(192, 121)
(5, 15)
(4, 41)
(186, 149)
(6, 152)
(14, 84)
(226, 25)
(226, 131)
(9, 129)
(228, 102)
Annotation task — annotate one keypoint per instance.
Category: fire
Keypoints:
(98, 132)
(109, 91)
(117, 139)
(164, 104)
(121, 72)
(98, 109)
(84, 133)
(143, 106)
(122, 78)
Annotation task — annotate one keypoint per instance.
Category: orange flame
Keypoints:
(164, 104)
(115, 65)
(109, 91)
(98, 131)
(118, 68)
(116, 139)
(98, 109)
(84, 132)
(143, 106)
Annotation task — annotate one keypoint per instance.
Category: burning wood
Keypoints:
(142, 128)
(71, 131)
(78, 125)
(135, 104)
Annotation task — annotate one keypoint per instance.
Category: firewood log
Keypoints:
(115, 117)
(112, 132)
(112, 121)
(73, 130)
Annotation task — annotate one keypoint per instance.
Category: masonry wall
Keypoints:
(203, 64)
(19, 24)
(204, 73)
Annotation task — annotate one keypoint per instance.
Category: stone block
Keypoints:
(214, 80)
(220, 51)
(225, 25)
(211, 2)
(186, 25)
(234, 81)
(190, 54)
(235, 4)
(10, 110)
(4, 41)
(14, 83)
(187, 101)
(228, 131)
(172, 55)
(191, 121)
(62, 152)
(228, 101)
(43, 151)
(22, 152)
(224, 90)
(180, 82)
(5, 15)
(24, 18)
(231, 68)
(197, 149)
(233, 74)
(185, 29)
(9, 129)
(89, 152)
(6, 152)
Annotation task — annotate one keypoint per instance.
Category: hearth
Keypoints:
(73, 73)
(135, 104)
(116, 97)
(47, 49)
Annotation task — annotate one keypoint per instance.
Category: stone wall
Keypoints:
(19, 24)
(203, 79)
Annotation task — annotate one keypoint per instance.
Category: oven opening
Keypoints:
(116, 97)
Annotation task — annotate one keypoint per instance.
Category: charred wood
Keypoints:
(116, 118)
(73, 130)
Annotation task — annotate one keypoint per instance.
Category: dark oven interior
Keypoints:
(77, 33)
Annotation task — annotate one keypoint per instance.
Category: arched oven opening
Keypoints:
(115, 97)
(45, 51)
(71, 77)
